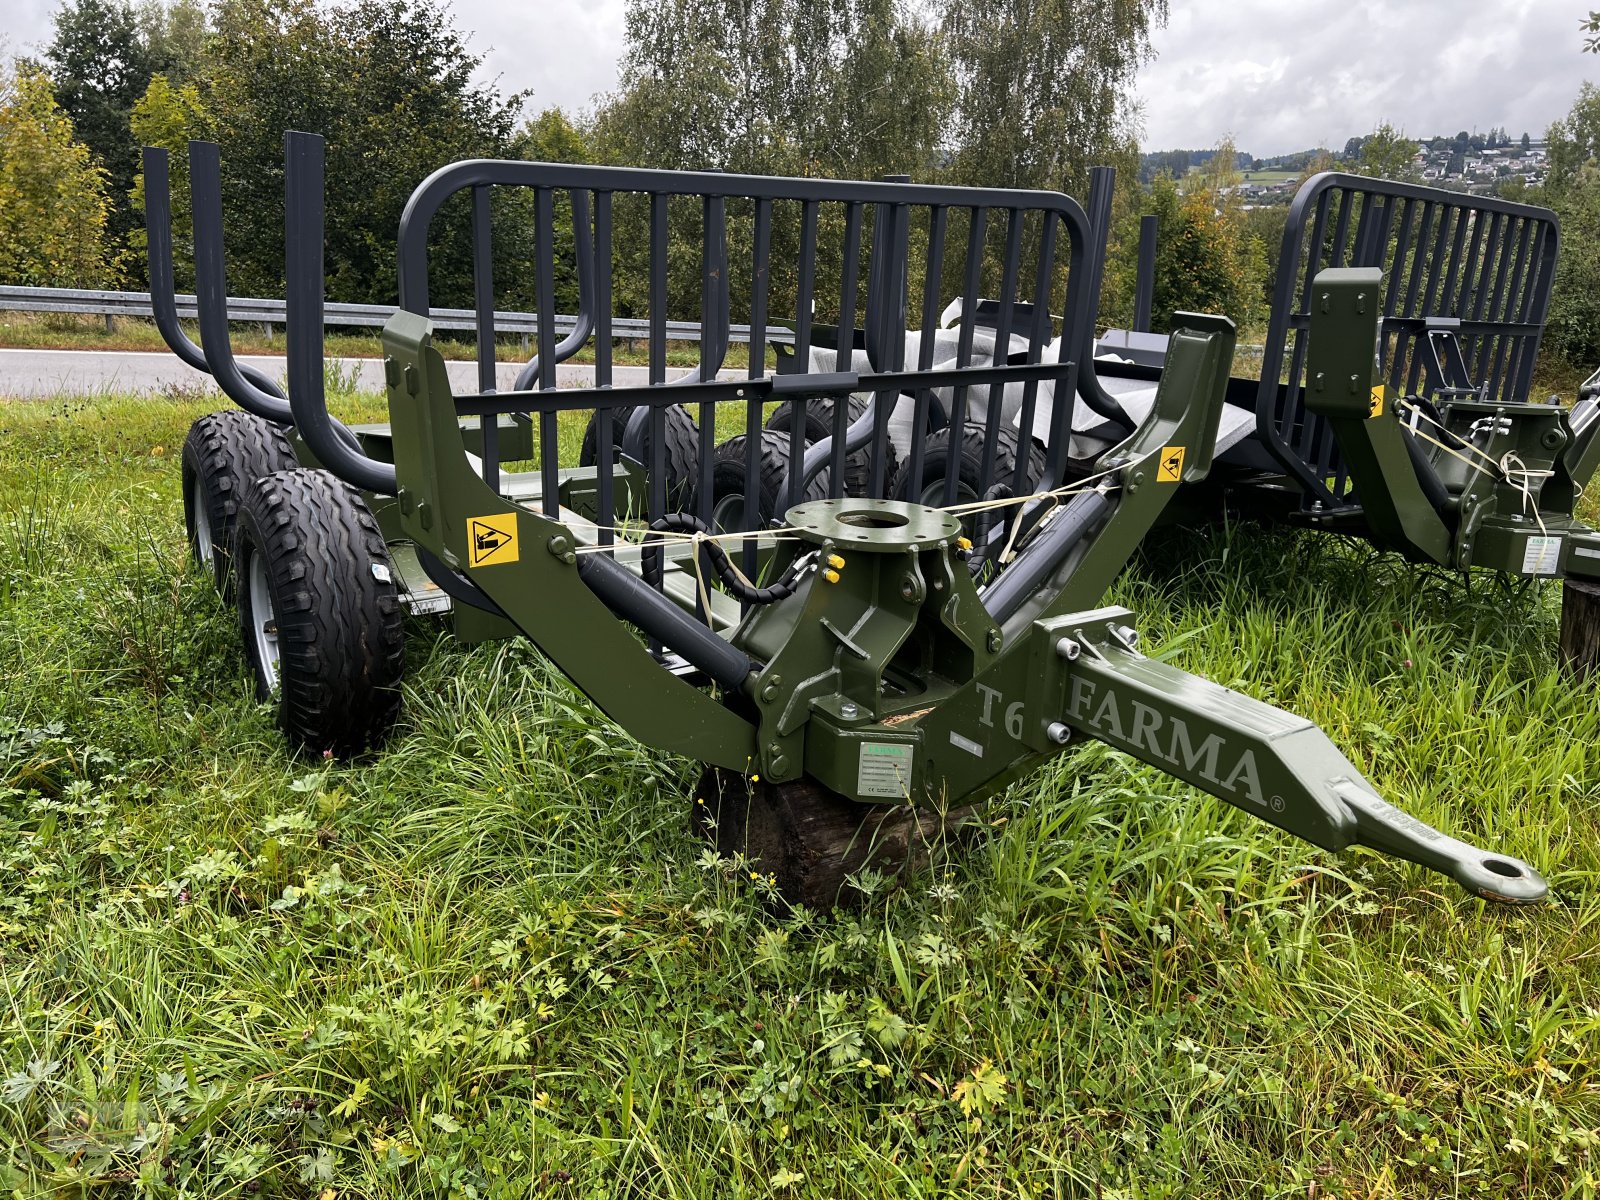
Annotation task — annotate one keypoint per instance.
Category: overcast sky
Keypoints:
(1279, 75)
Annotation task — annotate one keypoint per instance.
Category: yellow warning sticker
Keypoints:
(1375, 409)
(1170, 467)
(492, 540)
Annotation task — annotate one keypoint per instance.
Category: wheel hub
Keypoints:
(263, 622)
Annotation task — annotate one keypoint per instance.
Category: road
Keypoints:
(36, 374)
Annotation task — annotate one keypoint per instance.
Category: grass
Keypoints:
(493, 961)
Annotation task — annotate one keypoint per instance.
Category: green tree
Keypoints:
(391, 86)
(840, 88)
(837, 88)
(1572, 188)
(54, 205)
(1210, 256)
(100, 64)
(175, 32)
(1386, 153)
(552, 137)
(167, 116)
(1043, 85)
(1573, 142)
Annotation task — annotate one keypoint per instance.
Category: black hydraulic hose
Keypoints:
(984, 527)
(625, 594)
(1027, 574)
(651, 563)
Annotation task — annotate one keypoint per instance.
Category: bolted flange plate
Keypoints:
(876, 526)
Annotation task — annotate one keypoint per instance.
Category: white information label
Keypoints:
(965, 743)
(885, 770)
(1541, 556)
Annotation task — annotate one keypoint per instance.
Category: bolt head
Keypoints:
(995, 641)
(1059, 733)
(1068, 649)
(849, 711)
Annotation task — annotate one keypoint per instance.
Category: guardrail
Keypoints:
(268, 313)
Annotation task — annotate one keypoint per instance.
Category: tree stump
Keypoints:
(1580, 626)
(811, 839)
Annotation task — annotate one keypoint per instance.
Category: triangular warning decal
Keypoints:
(1169, 467)
(492, 540)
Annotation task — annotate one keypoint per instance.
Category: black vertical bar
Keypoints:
(849, 282)
(1389, 343)
(1418, 262)
(1144, 294)
(545, 296)
(1506, 309)
(1433, 280)
(1451, 302)
(1036, 345)
(804, 298)
(1448, 221)
(1493, 258)
(656, 468)
(605, 438)
(713, 332)
(891, 319)
(1292, 297)
(760, 281)
(1485, 249)
(932, 283)
(972, 279)
(1002, 344)
(1341, 230)
(1519, 369)
(483, 302)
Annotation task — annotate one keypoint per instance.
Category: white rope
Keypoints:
(1521, 477)
(1477, 467)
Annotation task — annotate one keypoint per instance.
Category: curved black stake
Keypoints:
(211, 289)
(163, 286)
(330, 441)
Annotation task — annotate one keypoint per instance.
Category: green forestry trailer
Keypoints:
(855, 670)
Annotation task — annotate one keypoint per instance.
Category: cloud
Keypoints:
(1283, 76)
(26, 28)
(1279, 75)
(565, 51)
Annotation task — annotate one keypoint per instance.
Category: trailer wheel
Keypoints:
(318, 611)
(729, 471)
(967, 465)
(819, 425)
(681, 449)
(225, 452)
(811, 840)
